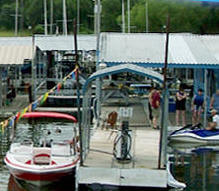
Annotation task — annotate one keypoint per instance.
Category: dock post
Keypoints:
(33, 75)
(78, 92)
(164, 118)
(205, 97)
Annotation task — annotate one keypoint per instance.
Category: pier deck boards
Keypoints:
(101, 166)
(144, 152)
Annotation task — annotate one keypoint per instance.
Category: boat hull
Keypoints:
(192, 138)
(39, 176)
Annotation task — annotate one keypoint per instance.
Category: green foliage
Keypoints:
(185, 15)
(38, 29)
(111, 10)
(6, 19)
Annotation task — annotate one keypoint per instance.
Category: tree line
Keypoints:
(186, 15)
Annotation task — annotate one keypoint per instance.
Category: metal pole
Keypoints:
(163, 130)
(98, 89)
(33, 69)
(64, 18)
(166, 51)
(205, 97)
(45, 17)
(16, 18)
(22, 15)
(78, 92)
(128, 9)
(146, 16)
(95, 17)
(78, 16)
(51, 16)
(123, 17)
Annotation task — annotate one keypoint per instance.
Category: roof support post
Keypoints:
(98, 89)
(163, 132)
(205, 96)
(33, 71)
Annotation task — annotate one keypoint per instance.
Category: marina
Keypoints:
(109, 83)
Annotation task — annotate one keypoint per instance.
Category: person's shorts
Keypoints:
(180, 106)
(156, 112)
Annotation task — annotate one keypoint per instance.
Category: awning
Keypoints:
(124, 68)
(148, 50)
(14, 54)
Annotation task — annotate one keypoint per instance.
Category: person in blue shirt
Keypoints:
(214, 104)
(197, 107)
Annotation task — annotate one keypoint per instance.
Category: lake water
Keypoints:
(197, 167)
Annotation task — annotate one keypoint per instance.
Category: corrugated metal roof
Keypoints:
(14, 50)
(14, 54)
(61, 43)
(48, 43)
(148, 49)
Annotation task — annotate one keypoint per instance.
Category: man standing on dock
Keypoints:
(154, 99)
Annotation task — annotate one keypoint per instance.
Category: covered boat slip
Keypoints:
(101, 166)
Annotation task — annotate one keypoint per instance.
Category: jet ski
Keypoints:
(195, 134)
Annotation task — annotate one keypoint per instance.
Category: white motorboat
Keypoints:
(43, 164)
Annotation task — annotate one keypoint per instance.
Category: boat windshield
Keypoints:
(43, 133)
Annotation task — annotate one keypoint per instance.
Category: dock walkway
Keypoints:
(101, 165)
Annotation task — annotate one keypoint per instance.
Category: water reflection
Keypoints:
(66, 184)
(197, 167)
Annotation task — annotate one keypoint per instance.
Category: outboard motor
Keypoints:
(123, 143)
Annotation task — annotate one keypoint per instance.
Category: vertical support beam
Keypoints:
(51, 16)
(16, 19)
(20, 75)
(1, 87)
(146, 16)
(187, 74)
(98, 88)
(205, 97)
(123, 17)
(39, 67)
(163, 131)
(128, 9)
(78, 16)
(21, 15)
(45, 67)
(33, 72)
(78, 92)
(45, 17)
(16, 77)
(95, 17)
(64, 18)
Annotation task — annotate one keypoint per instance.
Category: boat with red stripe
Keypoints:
(46, 163)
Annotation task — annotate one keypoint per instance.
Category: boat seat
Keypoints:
(41, 156)
(61, 149)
